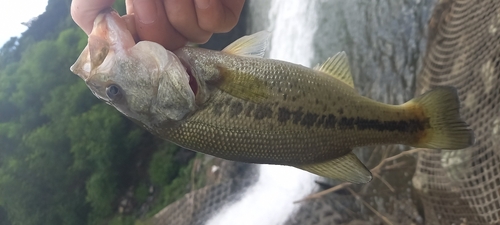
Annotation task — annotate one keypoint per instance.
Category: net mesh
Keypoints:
(196, 206)
(222, 182)
(463, 51)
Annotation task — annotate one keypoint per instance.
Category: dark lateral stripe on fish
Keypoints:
(285, 114)
(411, 126)
(330, 121)
(263, 111)
(235, 108)
(344, 123)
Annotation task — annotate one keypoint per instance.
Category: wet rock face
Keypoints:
(384, 41)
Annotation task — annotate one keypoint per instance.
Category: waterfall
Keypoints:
(270, 199)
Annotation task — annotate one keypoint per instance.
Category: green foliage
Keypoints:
(163, 169)
(178, 187)
(122, 220)
(101, 188)
(66, 157)
(46, 27)
(59, 145)
(34, 148)
(141, 192)
(169, 177)
(119, 6)
(174, 190)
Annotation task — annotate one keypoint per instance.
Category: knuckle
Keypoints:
(218, 24)
(201, 38)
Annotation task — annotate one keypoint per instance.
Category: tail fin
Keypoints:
(447, 130)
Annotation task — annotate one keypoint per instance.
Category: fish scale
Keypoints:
(301, 138)
(237, 105)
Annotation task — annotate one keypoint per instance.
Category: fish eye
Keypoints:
(113, 92)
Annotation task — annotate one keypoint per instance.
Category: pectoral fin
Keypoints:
(254, 45)
(346, 168)
(242, 85)
(338, 67)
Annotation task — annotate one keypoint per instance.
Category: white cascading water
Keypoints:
(270, 200)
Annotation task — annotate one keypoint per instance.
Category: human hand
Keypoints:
(171, 23)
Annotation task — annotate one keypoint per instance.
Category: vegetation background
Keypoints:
(66, 157)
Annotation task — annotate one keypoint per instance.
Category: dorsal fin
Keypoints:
(338, 67)
(254, 45)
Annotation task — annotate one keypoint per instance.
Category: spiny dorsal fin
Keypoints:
(254, 45)
(338, 67)
(242, 85)
(345, 168)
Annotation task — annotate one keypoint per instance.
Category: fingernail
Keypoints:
(145, 10)
(202, 4)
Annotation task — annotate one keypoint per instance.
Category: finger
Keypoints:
(182, 16)
(218, 15)
(129, 7)
(130, 21)
(151, 24)
(84, 12)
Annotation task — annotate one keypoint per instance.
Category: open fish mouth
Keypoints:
(193, 83)
(109, 34)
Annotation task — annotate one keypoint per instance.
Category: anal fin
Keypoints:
(346, 168)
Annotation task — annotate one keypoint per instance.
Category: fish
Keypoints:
(237, 105)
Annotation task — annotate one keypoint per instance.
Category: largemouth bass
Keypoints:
(237, 105)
